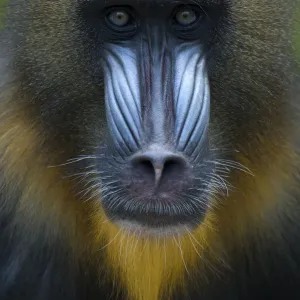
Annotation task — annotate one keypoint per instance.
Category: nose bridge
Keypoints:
(156, 89)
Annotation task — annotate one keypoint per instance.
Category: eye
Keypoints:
(121, 21)
(190, 22)
(119, 18)
(185, 16)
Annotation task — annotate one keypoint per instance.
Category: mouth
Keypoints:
(157, 215)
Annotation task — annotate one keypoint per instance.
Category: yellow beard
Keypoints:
(150, 267)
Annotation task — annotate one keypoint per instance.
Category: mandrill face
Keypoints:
(156, 169)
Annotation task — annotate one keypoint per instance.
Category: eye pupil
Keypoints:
(119, 18)
(185, 14)
(186, 17)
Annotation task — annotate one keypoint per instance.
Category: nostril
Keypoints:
(159, 166)
(143, 167)
(173, 165)
(146, 164)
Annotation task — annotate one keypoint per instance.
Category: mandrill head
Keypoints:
(165, 102)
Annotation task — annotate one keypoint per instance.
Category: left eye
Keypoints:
(186, 16)
(119, 18)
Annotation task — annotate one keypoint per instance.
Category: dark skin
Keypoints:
(171, 123)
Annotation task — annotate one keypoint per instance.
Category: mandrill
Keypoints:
(149, 150)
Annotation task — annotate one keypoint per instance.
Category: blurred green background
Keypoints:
(2, 11)
(296, 34)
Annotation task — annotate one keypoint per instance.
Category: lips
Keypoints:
(155, 214)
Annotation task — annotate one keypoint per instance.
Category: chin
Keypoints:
(138, 229)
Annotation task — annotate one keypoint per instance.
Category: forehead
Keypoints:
(151, 7)
(149, 3)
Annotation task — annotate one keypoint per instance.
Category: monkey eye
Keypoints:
(185, 16)
(187, 21)
(121, 22)
(118, 17)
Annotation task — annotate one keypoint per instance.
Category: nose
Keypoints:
(159, 165)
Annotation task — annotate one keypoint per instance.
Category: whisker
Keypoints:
(74, 160)
(111, 241)
(181, 253)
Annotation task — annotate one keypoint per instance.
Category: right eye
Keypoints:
(118, 18)
(121, 20)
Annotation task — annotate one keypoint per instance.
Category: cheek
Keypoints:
(192, 98)
(122, 98)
